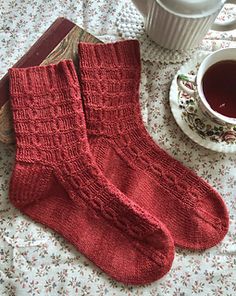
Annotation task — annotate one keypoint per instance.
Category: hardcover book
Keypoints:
(59, 42)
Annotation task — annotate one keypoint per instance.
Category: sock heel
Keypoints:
(29, 182)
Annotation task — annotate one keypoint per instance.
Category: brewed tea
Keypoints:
(219, 87)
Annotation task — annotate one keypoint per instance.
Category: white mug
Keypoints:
(181, 24)
(197, 92)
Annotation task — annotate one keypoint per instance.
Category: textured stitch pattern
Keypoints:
(192, 210)
(56, 181)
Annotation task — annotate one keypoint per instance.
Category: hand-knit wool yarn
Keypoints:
(192, 210)
(56, 181)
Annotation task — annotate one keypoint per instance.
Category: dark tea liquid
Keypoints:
(219, 87)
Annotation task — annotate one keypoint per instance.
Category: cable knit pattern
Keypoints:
(192, 210)
(56, 181)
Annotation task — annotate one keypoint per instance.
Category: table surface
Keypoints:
(36, 261)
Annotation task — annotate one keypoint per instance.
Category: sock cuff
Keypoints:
(41, 79)
(121, 53)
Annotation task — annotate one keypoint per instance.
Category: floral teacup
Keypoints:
(197, 91)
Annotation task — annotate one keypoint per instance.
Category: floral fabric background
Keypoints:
(36, 261)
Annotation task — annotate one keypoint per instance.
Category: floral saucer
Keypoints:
(189, 117)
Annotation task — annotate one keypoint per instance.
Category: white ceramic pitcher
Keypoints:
(181, 24)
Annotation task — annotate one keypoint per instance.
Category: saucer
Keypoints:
(192, 121)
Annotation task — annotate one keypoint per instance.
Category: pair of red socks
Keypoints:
(87, 168)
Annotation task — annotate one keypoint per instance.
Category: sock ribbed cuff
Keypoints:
(47, 112)
(121, 53)
(110, 78)
(41, 79)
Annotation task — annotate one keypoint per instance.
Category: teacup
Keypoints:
(214, 86)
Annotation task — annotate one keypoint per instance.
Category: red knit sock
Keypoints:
(57, 183)
(192, 210)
